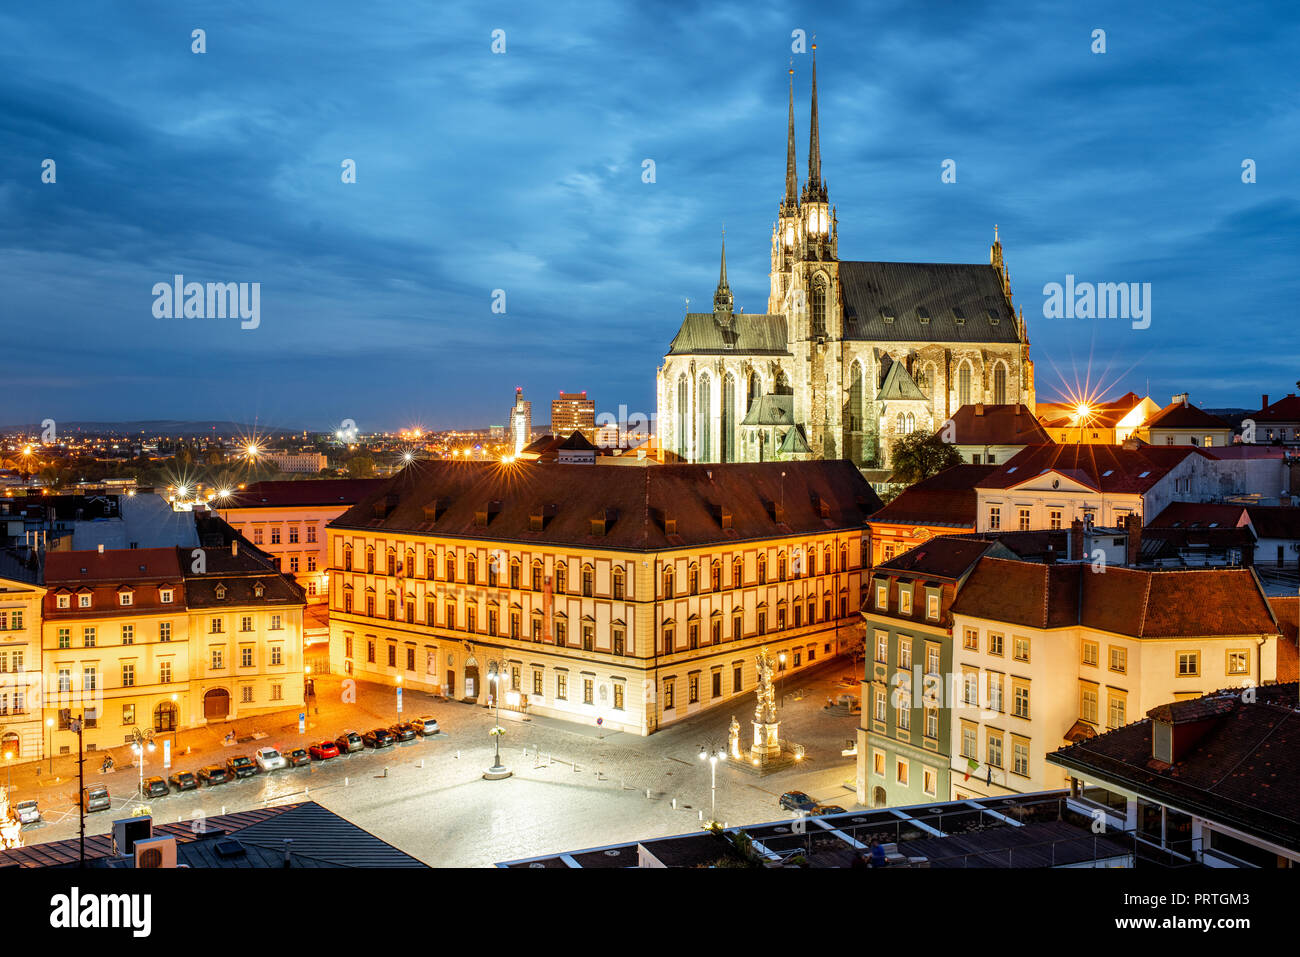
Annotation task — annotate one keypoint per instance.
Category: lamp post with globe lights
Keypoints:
(141, 741)
(713, 756)
(498, 770)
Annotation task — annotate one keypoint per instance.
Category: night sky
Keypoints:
(523, 171)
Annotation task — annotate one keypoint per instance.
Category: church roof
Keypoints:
(794, 442)
(747, 334)
(899, 384)
(771, 410)
(874, 291)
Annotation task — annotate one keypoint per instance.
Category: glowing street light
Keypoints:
(713, 757)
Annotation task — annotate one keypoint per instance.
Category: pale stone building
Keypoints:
(849, 355)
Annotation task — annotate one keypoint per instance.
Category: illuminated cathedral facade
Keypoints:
(849, 355)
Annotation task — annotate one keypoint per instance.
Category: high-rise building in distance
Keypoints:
(521, 421)
(571, 412)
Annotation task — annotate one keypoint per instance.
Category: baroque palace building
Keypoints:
(849, 355)
(631, 602)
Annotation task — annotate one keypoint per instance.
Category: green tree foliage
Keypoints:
(920, 455)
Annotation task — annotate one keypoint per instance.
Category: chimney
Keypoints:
(101, 548)
(1076, 540)
(1263, 402)
(1179, 398)
(1134, 526)
(288, 851)
(979, 408)
(234, 546)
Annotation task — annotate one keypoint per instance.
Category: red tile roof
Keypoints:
(1286, 409)
(1180, 415)
(997, 425)
(944, 557)
(287, 494)
(1107, 468)
(1286, 608)
(1275, 521)
(115, 565)
(1199, 515)
(1102, 415)
(1125, 601)
(947, 498)
(435, 497)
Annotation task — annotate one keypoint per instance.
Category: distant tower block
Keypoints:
(521, 421)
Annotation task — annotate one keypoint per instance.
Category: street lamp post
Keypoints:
(49, 737)
(9, 768)
(781, 675)
(399, 697)
(140, 742)
(498, 770)
(713, 757)
(76, 724)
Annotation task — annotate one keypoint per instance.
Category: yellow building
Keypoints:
(166, 639)
(1045, 655)
(21, 730)
(1095, 423)
(631, 602)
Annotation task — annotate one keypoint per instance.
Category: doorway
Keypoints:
(216, 704)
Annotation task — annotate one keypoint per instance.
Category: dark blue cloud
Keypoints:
(522, 172)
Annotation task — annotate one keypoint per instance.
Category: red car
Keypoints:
(323, 749)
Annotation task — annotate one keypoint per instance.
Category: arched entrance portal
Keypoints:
(10, 746)
(878, 797)
(216, 704)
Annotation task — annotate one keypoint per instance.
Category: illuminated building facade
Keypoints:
(630, 603)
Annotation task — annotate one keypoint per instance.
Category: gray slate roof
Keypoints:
(748, 334)
(899, 384)
(900, 288)
(771, 410)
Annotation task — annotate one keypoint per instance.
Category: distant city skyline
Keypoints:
(523, 171)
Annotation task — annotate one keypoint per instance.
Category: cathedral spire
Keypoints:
(791, 201)
(814, 188)
(722, 298)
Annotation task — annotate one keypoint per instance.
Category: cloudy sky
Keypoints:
(523, 171)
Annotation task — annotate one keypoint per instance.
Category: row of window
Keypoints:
(800, 567)
(996, 644)
(903, 773)
(994, 748)
(216, 661)
(125, 598)
(761, 622)
(11, 619)
(275, 531)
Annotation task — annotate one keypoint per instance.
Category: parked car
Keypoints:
(426, 725)
(155, 787)
(95, 798)
(241, 766)
(28, 812)
(213, 774)
(348, 742)
(404, 731)
(828, 809)
(797, 801)
(378, 738)
(324, 750)
(296, 757)
(269, 759)
(184, 781)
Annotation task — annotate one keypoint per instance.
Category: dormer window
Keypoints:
(221, 592)
(923, 315)
(958, 316)
(83, 600)
(125, 598)
(165, 596)
(63, 601)
(259, 590)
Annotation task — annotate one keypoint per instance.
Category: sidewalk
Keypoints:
(328, 716)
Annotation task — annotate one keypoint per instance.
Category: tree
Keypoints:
(922, 454)
(361, 466)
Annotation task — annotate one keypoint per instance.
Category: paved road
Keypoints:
(573, 786)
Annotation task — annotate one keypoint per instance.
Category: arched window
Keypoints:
(451, 568)
(781, 567)
(999, 384)
(854, 412)
(515, 567)
(817, 307)
(588, 581)
(715, 575)
(728, 419)
(693, 579)
(704, 406)
(755, 390)
(963, 384)
(561, 577)
(782, 386)
(683, 398)
(537, 574)
(347, 558)
(911, 424)
(471, 570)
(737, 572)
(668, 582)
(762, 569)
(619, 579)
(900, 425)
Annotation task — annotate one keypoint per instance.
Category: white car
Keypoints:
(269, 759)
(28, 812)
(426, 725)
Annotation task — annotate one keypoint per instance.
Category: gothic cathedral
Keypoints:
(849, 355)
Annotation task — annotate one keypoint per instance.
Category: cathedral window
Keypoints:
(999, 384)
(963, 384)
(817, 317)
